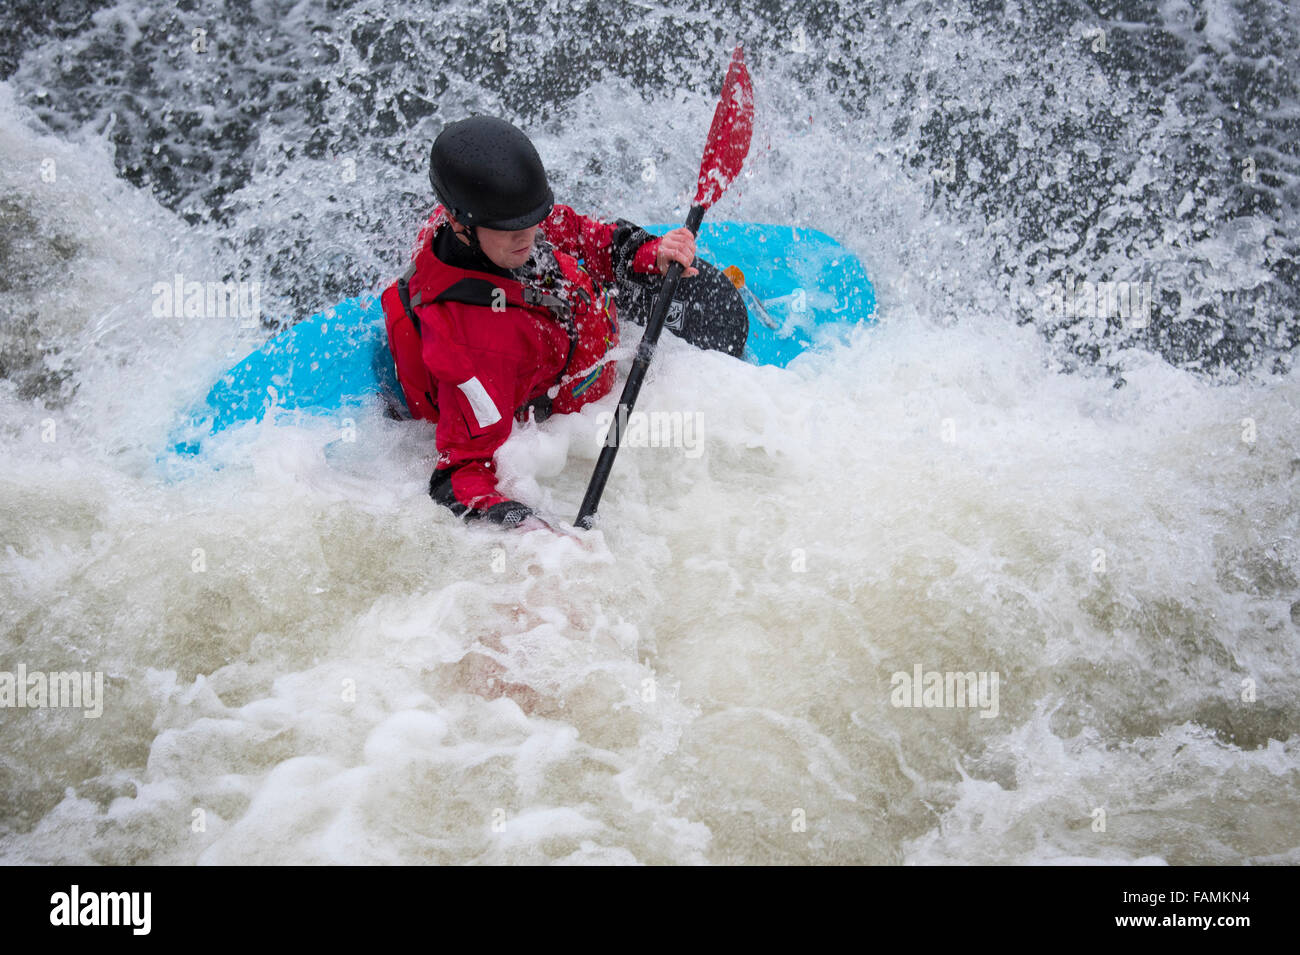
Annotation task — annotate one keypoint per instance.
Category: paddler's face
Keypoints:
(507, 250)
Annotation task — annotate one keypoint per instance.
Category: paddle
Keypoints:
(724, 154)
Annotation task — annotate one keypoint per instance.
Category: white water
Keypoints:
(355, 677)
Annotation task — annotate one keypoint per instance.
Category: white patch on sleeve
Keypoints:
(484, 410)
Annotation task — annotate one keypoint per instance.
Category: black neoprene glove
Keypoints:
(508, 513)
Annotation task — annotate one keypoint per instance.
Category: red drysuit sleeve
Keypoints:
(605, 248)
(465, 478)
(472, 424)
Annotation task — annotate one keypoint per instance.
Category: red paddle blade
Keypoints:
(733, 125)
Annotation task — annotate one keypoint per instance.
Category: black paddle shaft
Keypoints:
(632, 387)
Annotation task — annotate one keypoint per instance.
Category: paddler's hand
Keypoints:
(509, 514)
(515, 516)
(677, 246)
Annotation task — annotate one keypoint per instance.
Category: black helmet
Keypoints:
(487, 173)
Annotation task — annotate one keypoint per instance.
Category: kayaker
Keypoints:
(504, 310)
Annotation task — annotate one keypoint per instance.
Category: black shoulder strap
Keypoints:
(404, 293)
(467, 291)
(473, 292)
(483, 292)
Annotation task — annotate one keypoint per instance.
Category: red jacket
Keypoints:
(487, 346)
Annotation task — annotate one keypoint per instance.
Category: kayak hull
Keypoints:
(798, 283)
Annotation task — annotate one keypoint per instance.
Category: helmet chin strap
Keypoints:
(469, 232)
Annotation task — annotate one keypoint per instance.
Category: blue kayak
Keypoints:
(795, 282)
